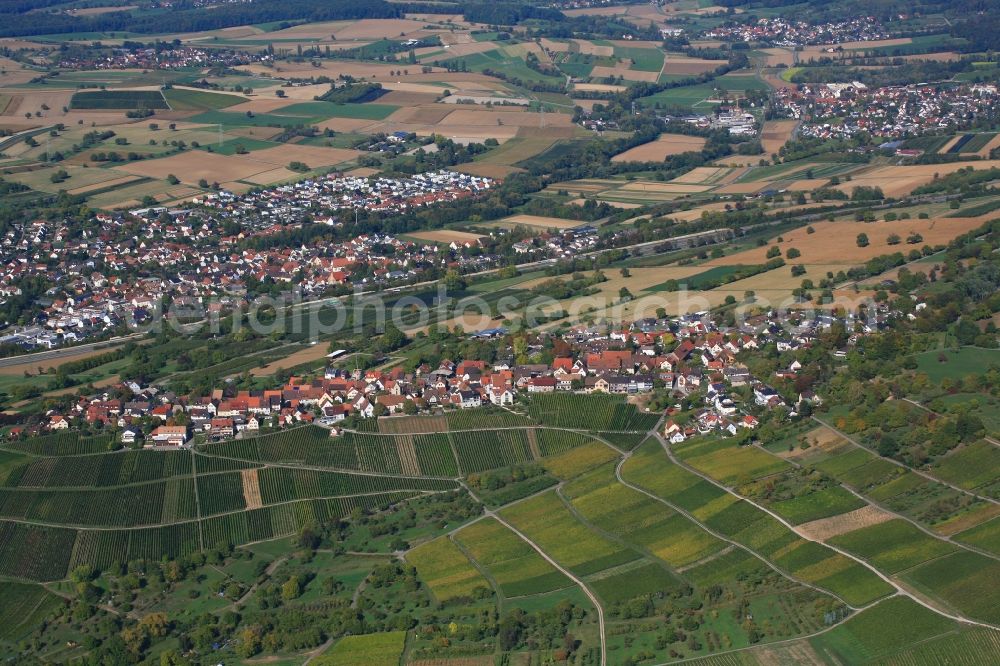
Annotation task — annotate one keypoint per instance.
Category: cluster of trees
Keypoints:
(352, 93)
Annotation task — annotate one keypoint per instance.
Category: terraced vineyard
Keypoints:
(612, 520)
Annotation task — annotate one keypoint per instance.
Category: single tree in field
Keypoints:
(862, 240)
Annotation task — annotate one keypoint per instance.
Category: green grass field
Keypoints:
(643, 59)
(958, 362)
(365, 650)
(696, 96)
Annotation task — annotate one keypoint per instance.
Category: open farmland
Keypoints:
(712, 448)
(535, 221)
(191, 167)
(663, 146)
(897, 181)
(445, 236)
(836, 242)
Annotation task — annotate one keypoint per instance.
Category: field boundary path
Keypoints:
(895, 462)
(895, 514)
(566, 572)
(732, 543)
(492, 513)
(900, 589)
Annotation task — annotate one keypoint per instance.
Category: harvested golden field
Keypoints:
(672, 188)
(590, 48)
(273, 176)
(310, 354)
(780, 282)
(595, 11)
(445, 236)
(806, 184)
(951, 142)
(695, 213)
(331, 68)
(599, 87)
(347, 124)
(94, 11)
(537, 221)
(776, 134)
(897, 181)
(742, 188)
(363, 172)
(640, 279)
(827, 528)
(32, 366)
(487, 170)
(702, 175)
(428, 114)
(603, 72)
(192, 166)
(836, 242)
(989, 147)
(624, 205)
(259, 105)
(685, 65)
(664, 146)
(114, 182)
(407, 98)
(779, 56)
(517, 149)
(405, 86)
(432, 53)
(314, 156)
(469, 117)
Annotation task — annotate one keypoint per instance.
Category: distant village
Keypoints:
(687, 357)
(162, 56)
(841, 110)
(779, 31)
